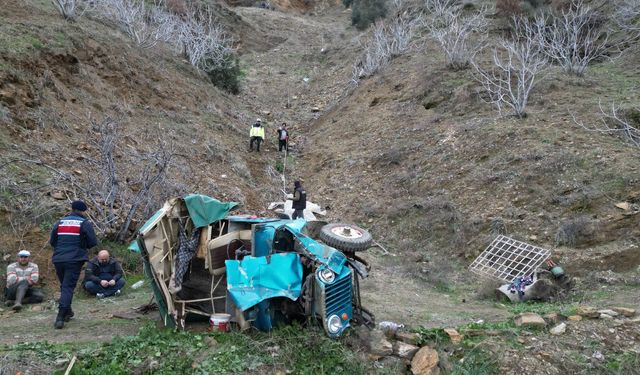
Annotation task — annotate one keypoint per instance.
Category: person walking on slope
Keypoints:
(71, 237)
(22, 276)
(299, 200)
(283, 138)
(256, 134)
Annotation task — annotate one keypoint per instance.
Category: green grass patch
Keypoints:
(476, 362)
(291, 349)
(431, 335)
(623, 363)
(131, 261)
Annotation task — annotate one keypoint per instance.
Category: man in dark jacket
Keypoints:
(283, 138)
(103, 276)
(299, 200)
(71, 237)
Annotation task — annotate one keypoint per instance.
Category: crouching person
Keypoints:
(22, 276)
(104, 276)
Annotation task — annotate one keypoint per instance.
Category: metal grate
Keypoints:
(506, 259)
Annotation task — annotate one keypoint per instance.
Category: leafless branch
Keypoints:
(614, 121)
(627, 16)
(71, 9)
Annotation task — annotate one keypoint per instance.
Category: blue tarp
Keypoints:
(255, 279)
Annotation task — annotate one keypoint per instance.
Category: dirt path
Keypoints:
(94, 319)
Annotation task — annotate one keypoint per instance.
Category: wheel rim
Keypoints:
(346, 231)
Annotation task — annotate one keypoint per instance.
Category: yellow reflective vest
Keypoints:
(257, 131)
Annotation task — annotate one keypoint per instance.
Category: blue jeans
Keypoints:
(95, 288)
(68, 274)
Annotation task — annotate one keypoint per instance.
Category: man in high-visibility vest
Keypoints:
(256, 134)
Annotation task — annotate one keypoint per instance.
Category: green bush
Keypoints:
(227, 77)
(365, 12)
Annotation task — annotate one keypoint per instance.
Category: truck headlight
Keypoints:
(334, 324)
(326, 276)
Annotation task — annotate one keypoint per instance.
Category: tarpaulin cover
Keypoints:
(205, 210)
(255, 279)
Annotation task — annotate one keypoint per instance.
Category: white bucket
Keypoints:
(220, 322)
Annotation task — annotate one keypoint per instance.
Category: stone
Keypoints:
(587, 312)
(605, 317)
(627, 312)
(315, 109)
(404, 350)
(37, 308)
(454, 335)
(425, 362)
(559, 329)
(57, 195)
(529, 320)
(574, 318)
(379, 344)
(608, 312)
(552, 318)
(407, 337)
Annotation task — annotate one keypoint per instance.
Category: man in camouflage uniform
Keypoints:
(22, 276)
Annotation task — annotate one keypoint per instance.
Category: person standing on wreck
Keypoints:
(299, 200)
(71, 237)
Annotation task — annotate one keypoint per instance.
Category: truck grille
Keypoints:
(338, 297)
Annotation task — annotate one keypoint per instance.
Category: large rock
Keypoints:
(404, 350)
(624, 311)
(379, 344)
(529, 320)
(574, 318)
(587, 312)
(553, 318)
(425, 362)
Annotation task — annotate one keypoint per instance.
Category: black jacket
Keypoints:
(299, 198)
(96, 271)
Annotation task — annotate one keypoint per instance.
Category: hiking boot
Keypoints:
(59, 324)
(99, 295)
(68, 315)
(16, 307)
(117, 293)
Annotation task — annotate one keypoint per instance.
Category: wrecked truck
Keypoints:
(261, 271)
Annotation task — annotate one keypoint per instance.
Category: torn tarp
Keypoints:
(204, 210)
(253, 280)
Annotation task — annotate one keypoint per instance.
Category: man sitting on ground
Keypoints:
(103, 276)
(22, 276)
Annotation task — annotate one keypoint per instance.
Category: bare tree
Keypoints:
(517, 65)
(616, 122)
(70, 9)
(202, 40)
(118, 199)
(146, 25)
(454, 33)
(575, 37)
(390, 38)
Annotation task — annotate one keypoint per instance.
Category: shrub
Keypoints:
(366, 12)
(454, 31)
(575, 232)
(226, 76)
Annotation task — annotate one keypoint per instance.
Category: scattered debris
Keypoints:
(390, 326)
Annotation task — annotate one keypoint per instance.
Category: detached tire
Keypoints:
(345, 237)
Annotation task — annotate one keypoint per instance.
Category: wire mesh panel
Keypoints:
(506, 258)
